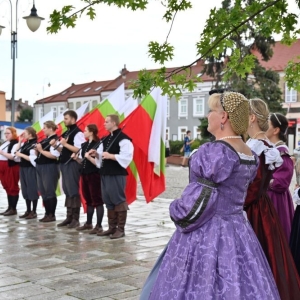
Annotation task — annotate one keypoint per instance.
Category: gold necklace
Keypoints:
(257, 133)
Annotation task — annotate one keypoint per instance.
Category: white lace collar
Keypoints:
(246, 157)
(272, 155)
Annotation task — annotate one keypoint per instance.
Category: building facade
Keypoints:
(184, 114)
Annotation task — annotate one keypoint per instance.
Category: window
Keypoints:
(71, 105)
(168, 107)
(40, 113)
(78, 104)
(181, 132)
(183, 107)
(196, 133)
(198, 106)
(61, 109)
(94, 103)
(87, 89)
(290, 95)
(54, 109)
(98, 88)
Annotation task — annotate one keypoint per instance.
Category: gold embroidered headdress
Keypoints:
(238, 108)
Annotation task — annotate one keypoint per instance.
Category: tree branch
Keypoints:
(178, 70)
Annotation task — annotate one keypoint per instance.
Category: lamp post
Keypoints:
(33, 23)
(43, 108)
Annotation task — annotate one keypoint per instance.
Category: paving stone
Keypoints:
(35, 274)
(22, 292)
(39, 261)
(127, 295)
(102, 291)
(10, 281)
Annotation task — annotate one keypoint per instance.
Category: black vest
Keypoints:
(43, 160)
(87, 166)
(11, 163)
(109, 166)
(70, 134)
(25, 149)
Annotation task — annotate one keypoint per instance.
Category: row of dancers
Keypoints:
(99, 164)
(235, 219)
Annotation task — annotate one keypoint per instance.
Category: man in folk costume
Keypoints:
(70, 143)
(113, 157)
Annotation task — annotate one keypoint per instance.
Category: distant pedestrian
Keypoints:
(186, 148)
(167, 149)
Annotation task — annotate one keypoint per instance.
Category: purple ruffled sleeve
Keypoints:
(282, 176)
(212, 164)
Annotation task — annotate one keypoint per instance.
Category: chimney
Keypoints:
(26, 102)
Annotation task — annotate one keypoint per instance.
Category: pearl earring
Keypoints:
(222, 126)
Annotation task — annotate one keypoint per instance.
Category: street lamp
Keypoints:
(33, 23)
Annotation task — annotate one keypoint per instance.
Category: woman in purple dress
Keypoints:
(278, 189)
(214, 253)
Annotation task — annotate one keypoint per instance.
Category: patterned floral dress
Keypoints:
(214, 253)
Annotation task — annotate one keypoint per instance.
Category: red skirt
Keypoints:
(9, 177)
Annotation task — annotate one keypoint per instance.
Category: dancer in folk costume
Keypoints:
(260, 209)
(278, 189)
(112, 157)
(48, 171)
(214, 253)
(90, 179)
(70, 143)
(10, 170)
(26, 156)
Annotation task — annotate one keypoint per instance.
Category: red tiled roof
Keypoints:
(91, 89)
(64, 95)
(282, 54)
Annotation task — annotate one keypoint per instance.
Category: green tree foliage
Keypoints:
(26, 115)
(220, 37)
(205, 135)
(260, 83)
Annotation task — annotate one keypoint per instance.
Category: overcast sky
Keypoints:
(93, 50)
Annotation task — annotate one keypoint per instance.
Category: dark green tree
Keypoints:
(26, 115)
(257, 83)
(205, 135)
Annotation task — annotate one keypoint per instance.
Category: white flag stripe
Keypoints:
(129, 106)
(60, 118)
(48, 117)
(117, 97)
(81, 110)
(158, 131)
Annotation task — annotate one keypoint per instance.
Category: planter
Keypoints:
(174, 159)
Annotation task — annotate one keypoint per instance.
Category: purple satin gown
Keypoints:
(279, 193)
(214, 253)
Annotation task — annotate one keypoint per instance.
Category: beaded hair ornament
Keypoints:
(238, 108)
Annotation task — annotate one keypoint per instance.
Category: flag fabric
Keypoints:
(129, 106)
(38, 126)
(149, 149)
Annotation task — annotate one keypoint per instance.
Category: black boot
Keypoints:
(13, 209)
(8, 207)
(68, 220)
(121, 211)
(75, 218)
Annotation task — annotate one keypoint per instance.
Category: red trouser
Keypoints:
(9, 177)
